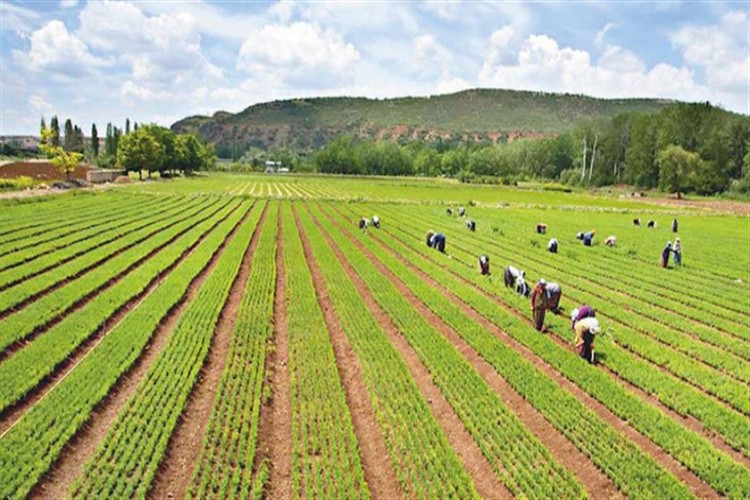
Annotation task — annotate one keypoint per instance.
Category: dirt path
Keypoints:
(588, 474)
(696, 484)
(60, 477)
(378, 469)
(14, 412)
(280, 438)
(485, 479)
(175, 472)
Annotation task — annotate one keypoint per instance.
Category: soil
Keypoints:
(378, 469)
(564, 452)
(280, 435)
(721, 206)
(175, 472)
(486, 481)
(60, 477)
(40, 170)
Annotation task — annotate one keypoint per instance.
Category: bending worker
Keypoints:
(588, 238)
(586, 329)
(552, 245)
(610, 241)
(436, 241)
(541, 228)
(471, 225)
(554, 292)
(484, 265)
(364, 223)
(539, 304)
(579, 313)
(376, 221)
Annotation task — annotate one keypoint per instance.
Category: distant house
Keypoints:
(273, 167)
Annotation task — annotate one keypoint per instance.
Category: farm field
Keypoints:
(240, 337)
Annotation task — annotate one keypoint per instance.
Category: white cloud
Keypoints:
(57, 51)
(67, 4)
(300, 54)
(15, 18)
(503, 46)
(722, 50)
(599, 40)
(40, 104)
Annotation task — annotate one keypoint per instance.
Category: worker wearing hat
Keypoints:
(539, 304)
(586, 329)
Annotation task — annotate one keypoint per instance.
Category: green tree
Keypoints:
(677, 168)
(54, 125)
(140, 151)
(94, 141)
(69, 139)
(65, 161)
(640, 157)
(427, 163)
(127, 126)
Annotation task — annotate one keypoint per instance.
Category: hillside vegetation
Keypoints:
(472, 115)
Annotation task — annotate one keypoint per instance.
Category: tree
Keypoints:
(127, 126)
(94, 141)
(65, 161)
(69, 139)
(427, 163)
(676, 168)
(140, 151)
(54, 125)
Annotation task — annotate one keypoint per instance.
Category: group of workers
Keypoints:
(364, 223)
(675, 250)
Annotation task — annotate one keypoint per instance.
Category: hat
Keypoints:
(542, 282)
(574, 314)
(595, 329)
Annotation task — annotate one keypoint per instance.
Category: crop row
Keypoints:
(695, 452)
(126, 462)
(29, 218)
(29, 366)
(105, 223)
(228, 451)
(34, 316)
(29, 448)
(675, 394)
(21, 250)
(325, 451)
(613, 453)
(106, 240)
(424, 463)
(518, 457)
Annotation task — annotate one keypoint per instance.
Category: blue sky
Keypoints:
(159, 61)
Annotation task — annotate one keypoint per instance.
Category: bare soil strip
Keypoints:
(82, 301)
(59, 479)
(687, 421)
(280, 436)
(588, 474)
(14, 412)
(485, 480)
(696, 484)
(175, 472)
(378, 469)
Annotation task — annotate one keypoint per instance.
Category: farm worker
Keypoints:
(449, 211)
(674, 225)
(471, 225)
(484, 265)
(586, 329)
(376, 221)
(541, 228)
(436, 240)
(554, 292)
(511, 274)
(636, 222)
(364, 223)
(552, 245)
(677, 250)
(522, 288)
(665, 254)
(651, 223)
(579, 313)
(579, 235)
(588, 238)
(610, 241)
(461, 211)
(539, 304)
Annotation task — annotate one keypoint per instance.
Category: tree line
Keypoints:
(685, 147)
(150, 148)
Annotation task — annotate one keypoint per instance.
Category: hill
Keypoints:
(471, 115)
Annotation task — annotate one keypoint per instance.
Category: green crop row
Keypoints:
(103, 224)
(326, 456)
(28, 367)
(677, 395)
(20, 325)
(225, 466)
(21, 250)
(696, 453)
(98, 244)
(125, 464)
(614, 454)
(424, 463)
(28, 449)
(36, 284)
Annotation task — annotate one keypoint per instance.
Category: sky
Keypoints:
(159, 61)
